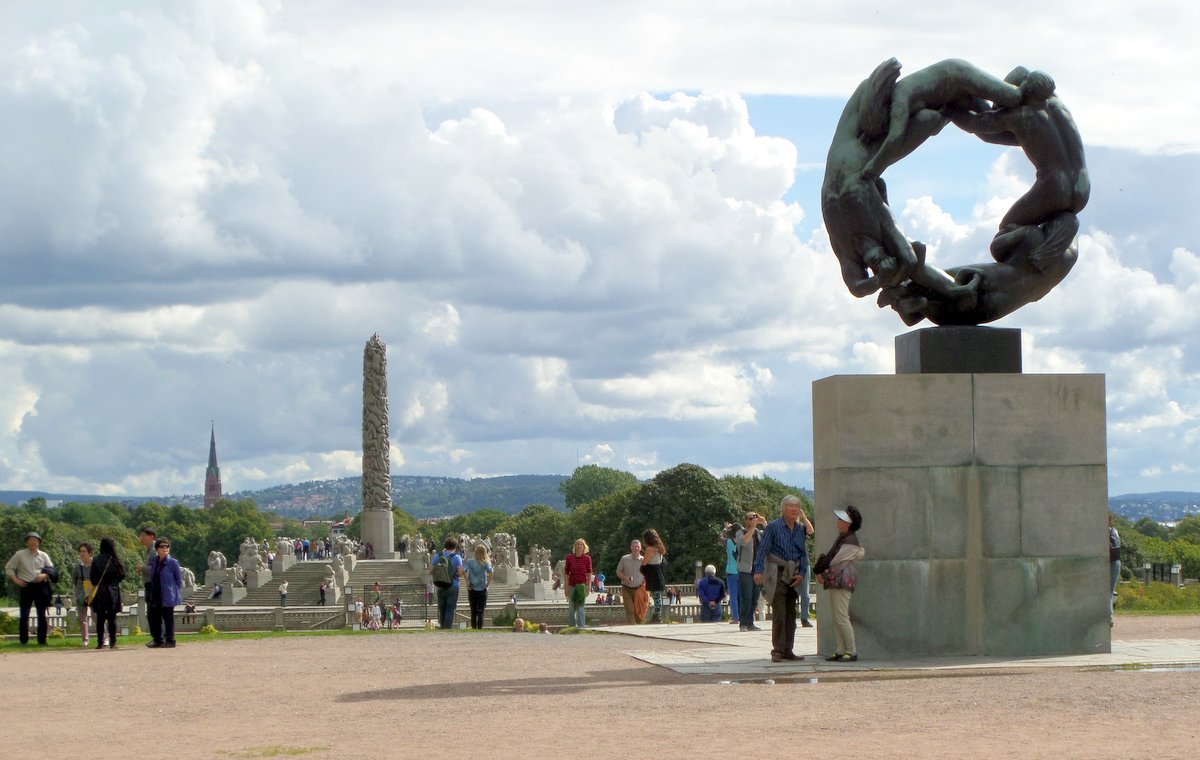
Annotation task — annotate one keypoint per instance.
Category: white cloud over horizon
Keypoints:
(567, 228)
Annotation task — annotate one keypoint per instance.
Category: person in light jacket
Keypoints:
(840, 578)
(166, 581)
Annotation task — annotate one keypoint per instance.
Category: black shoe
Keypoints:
(776, 657)
(753, 628)
(169, 645)
(792, 656)
(833, 658)
(848, 658)
(805, 624)
(154, 645)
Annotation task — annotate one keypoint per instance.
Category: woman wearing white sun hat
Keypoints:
(838, 571)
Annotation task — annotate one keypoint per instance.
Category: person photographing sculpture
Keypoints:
(779, 566)
(838, 571)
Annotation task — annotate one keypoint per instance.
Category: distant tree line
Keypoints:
(193, 532)
(1148, 541)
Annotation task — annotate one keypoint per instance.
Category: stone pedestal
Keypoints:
(958, 349)
(510, 576)
(538, 591)
(984, 501)
(257, 578)
(283, 562)
(378, 530)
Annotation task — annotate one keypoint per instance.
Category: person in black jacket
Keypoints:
(106, 575)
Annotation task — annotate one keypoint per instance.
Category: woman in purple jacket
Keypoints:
(166, 581)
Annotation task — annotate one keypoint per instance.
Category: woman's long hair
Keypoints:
(651, 538)
(108, 548)
(481, 554)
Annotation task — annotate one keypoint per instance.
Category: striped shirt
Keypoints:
(789, 544)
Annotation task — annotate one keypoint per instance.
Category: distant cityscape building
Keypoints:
(212, 476)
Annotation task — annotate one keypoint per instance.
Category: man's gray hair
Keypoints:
(791, 499)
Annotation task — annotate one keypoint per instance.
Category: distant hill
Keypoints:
(419, 495)
(429, 496)
(1163, 507)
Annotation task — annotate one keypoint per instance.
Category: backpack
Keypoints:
(441, 572)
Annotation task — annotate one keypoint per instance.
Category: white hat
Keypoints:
(710, 570)
(842, 515)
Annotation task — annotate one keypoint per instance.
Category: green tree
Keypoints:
(230, 522)
(1148, 527)
(481, 522)
(537, 524)
(80, 514)
(1187, 529)
(591, 482)
(688, 507)
(150, 514)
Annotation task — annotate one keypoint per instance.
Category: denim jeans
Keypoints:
(748, 597)
(804, 594)
(1114, 575)
(447, 602)
(576, 615)
(710, 614)
(731, 583)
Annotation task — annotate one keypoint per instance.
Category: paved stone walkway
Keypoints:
(730, 652)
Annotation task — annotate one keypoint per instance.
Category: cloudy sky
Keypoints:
(588, 233)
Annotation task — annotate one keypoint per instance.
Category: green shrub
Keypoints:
(57, 633)
(503, 620)
(1157, 597)
(8, 624)
(208, 629)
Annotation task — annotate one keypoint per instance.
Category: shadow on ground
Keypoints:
(606, 679)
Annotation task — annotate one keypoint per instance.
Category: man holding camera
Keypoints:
(747, 539)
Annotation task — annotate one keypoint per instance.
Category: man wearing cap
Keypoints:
(32, 571)
(780, 566)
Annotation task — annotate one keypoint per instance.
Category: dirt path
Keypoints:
(505, 695)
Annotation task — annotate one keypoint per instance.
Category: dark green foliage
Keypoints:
(542, 525)
(1148, 527)
(592, 482)
(688, 507)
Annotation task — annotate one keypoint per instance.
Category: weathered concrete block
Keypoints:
(983, 519)
(1010, 420)
(858, 423)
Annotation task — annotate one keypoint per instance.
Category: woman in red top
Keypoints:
(578, 572)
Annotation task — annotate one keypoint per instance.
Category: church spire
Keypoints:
(212, 476)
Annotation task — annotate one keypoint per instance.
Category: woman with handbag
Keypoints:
(106, 575)
(654, 570)
(838, 571)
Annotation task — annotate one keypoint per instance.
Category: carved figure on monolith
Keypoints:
(377, 520)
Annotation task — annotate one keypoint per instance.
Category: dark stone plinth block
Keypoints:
(964, 350)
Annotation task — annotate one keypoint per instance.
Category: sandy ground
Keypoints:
(504, 695)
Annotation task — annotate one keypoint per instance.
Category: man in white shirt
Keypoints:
(629, 570)
(32, 571)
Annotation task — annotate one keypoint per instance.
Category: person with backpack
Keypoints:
(447, 567)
